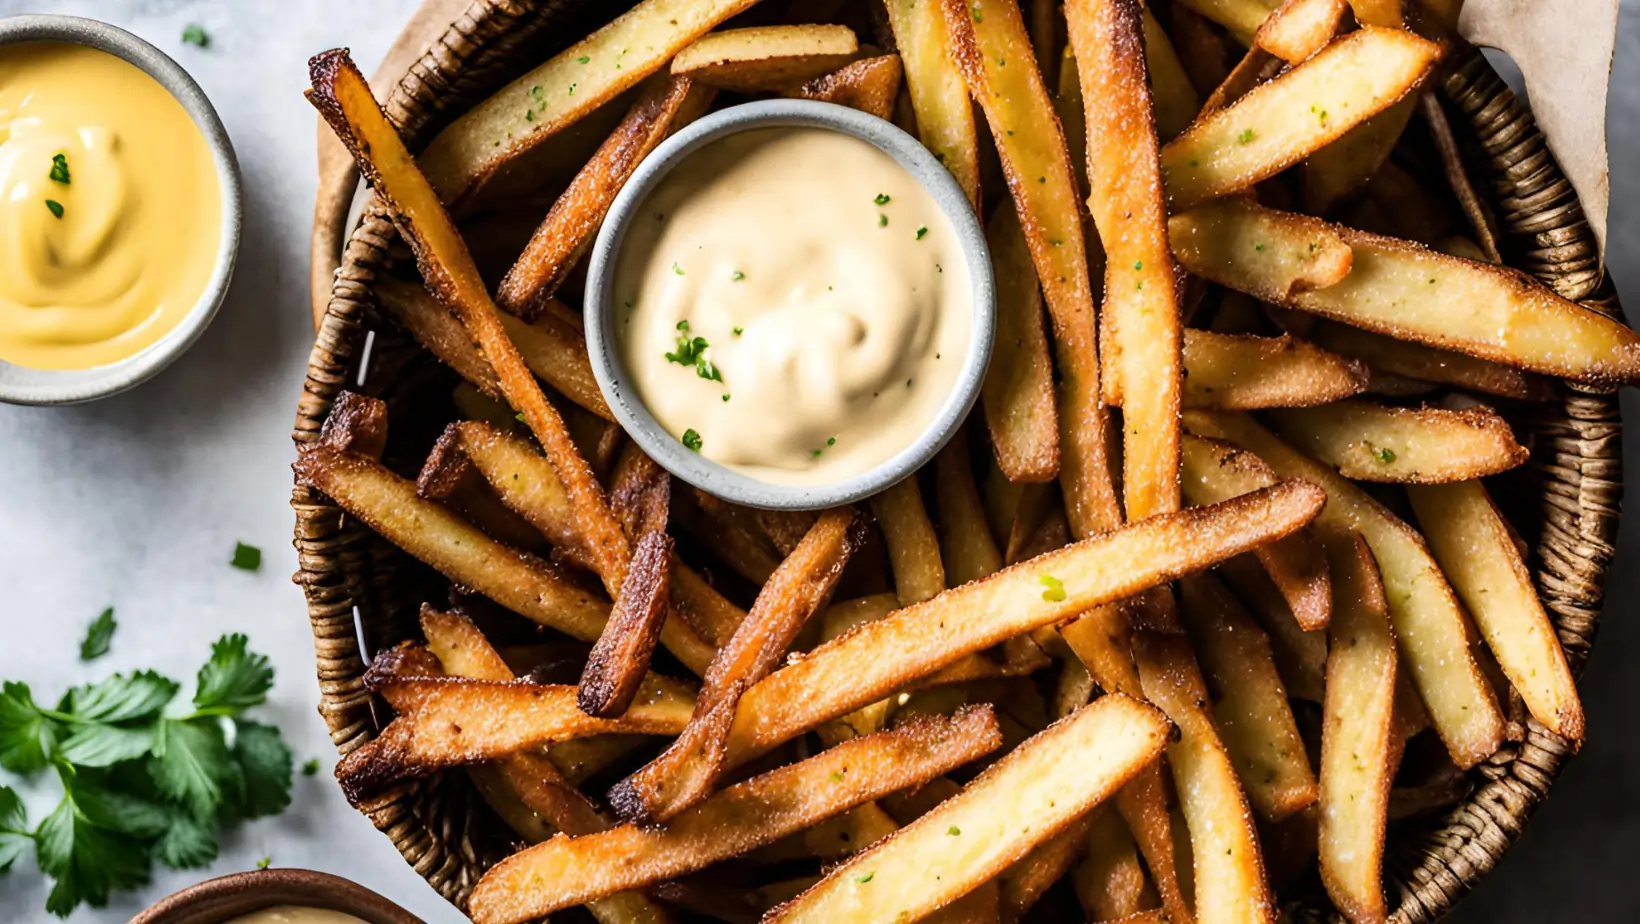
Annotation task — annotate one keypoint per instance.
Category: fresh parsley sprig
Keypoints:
(144, 776)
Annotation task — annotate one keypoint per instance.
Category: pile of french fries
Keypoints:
(1210, 591)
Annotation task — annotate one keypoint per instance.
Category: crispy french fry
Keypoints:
(1267, 254)
(869, 85)
(1300, 655)
(461, 648)
(453, 721)
(1110, 882)
(1473, 545)
(945, 117)
(692, 765)
(1018, 390)
(851, 671)
(564, 872)
(1038, 526)
(913, 549)
(1240, 17)
(732, 533)
(970, 553)
(1241, 372)
(1281, 122)
(430, 532)
(449, 478)
(1229, 879)
(993, 52)
(1140, 329)
(1300, 29)
(1255, 67)
(1023, 883)
(343, 98)
(1403, 290)
(620, 657)
(1170, 88)
(567, 231)
(1345, 165)
(1215, 471)
(1252, 713)
(1051, 779)
(1358, 752)
(356, 424)
(1434, 637)
(832, 839)
(766, 58)
(568, 86)
(1417, 361)
(1427, 445)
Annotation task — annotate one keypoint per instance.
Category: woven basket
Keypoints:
(357, 585)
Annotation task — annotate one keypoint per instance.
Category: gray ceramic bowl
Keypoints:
(220, 900)
(720, 480)
(47, 387)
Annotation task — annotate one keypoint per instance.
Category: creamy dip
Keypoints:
(793, 304)
(293, 914)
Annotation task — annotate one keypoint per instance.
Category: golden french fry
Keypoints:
(1473, 545)
(565, 871)
(563, 90)
(832, 839)
(1358, 752)
(767, 58)
(1429, 364)
(1279, 123)
(1300, 655)
(970, 553)
(945, 117)
(567, 231)
(1252, 713)
(1240, 17)
(1427, 445)
(869, 85)
(1434, 636)
(1170, 88)
(1021, 885)
(1110, 881)
(913, 549)
(688, 769)
(1241, 372)
(987, 36)
(1052, 778)
(1139, 332)
(1300, 29)
(1267, 254)
(1018, 390)
(1345, 165)
(734, 534)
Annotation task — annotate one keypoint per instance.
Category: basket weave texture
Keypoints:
(357, 584)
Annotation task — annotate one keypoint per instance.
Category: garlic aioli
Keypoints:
(110, 208)
(793, 304)
(296, 914)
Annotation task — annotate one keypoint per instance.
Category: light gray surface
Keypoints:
(137, 501)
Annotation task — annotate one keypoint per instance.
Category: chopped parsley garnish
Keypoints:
(866, 878)
(736, 276)
(882, 199)
(922, 232)
(739, 331)
(1259, 247)
(196, 35)
(1055, 592)
(311, 768)
(246, 557)
(59, 169)
(584, 59)
(1383, 454)
(832, 441)
(691, 439)
(572, 89)
(725, 396)
(882, 221)
(1138, 264)
(953, 830)
(264, 863)
(55, 207)
(815, 453)
(1246, 136)
(691, 351)
(98, 636)
(677, 269)
(837, 776)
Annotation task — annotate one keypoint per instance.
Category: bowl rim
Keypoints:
(610, 369)
(224, 898)
(48, 387)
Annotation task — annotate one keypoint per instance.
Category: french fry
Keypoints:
(1241, 372)
(1281, 122)
(1473, 545)
(564, 871)
(567, 231)
(1215, 471)
(1253, 716)
(1403, 290)
(945, 117)
(832, 839)
(1039, 525)
(1430, 628)
(869, 85)
(1018, 391)
(569, 85)
(1417, 361)
(1240, 17)
(732, 533)
(1170, 88)
(1427, 445)
(1300, 29)
(913, 549)
(1229, 879)
(1051, 779)
(689, 768)
(1345, 165)
(766, 58)
(453, 722)
(356, 424)
(1358, 752)
(450, 478)
(1139, 333)
(1300, 655)
(1110, 882)
(851, 670)
(430, 532)
(970, 553)
(620, 657)
(343, 98)
(1267, 254)
(986, 37)
(1021, 885)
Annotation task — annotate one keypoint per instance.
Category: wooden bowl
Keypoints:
(1565, 504)
(215, 901)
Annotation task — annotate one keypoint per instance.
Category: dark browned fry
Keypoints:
(732, 533)
(620, 658)
(449, 477)
(356, 424)
(869, 85)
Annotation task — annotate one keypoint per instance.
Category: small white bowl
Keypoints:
(19, 385)
(610, 369)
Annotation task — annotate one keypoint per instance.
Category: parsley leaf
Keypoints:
(59, 169)
(196, 35)
(87, 861)
(120, 698)
(98, 636)
(28, 737)
(265, 765)
(191, 765)
(246, 557)
(98, 745)
(185, 844)
(14, 833)
(235, 678)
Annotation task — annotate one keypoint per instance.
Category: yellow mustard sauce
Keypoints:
(110, 208)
